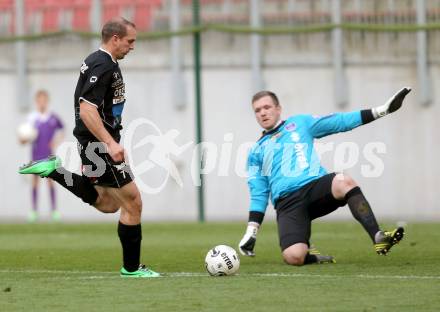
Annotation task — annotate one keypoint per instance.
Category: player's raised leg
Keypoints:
(344, 187)
(79, 185)
(50, 167)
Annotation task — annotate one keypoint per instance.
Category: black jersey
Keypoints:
(100, 84)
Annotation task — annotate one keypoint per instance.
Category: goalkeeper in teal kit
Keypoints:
(284, 167)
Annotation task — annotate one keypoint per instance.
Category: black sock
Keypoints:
(309, 259)
(361, 211)
(75, 183)
(130, 237)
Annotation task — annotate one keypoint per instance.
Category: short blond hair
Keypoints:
(41, 92)
(264, 93)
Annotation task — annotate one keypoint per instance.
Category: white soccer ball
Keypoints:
(26, 132)
(222, 260)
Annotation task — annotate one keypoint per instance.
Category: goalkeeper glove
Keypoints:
(393, 104)
(247, 243)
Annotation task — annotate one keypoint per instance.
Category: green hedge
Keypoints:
(239, 29)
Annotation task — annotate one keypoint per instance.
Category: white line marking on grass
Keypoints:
(186, 274)
(104, 275)
(346, 276)
(55, 272)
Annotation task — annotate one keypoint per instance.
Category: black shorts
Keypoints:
(296, 211)
(99, 167)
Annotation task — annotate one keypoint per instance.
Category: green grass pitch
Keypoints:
(73, 267)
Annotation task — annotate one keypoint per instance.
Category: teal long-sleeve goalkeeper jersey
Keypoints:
(284, 159)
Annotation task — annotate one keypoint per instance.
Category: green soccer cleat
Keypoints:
(42, 167)
(33, 217)
(385, 240)
(143, 271)
(56, 216)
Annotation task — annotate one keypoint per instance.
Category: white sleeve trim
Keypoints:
(83, 99)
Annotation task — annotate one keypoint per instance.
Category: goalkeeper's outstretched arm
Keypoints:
(321, 126)
(393, 104)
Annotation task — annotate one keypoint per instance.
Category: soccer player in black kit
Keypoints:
(106, 181)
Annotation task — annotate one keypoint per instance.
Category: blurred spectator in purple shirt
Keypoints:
(49, 128)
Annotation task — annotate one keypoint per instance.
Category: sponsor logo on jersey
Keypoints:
(119, 95)
(290, 126)
(84, 67)
(300, 155)
(295, 136)
(118, 100)
(117, 83)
